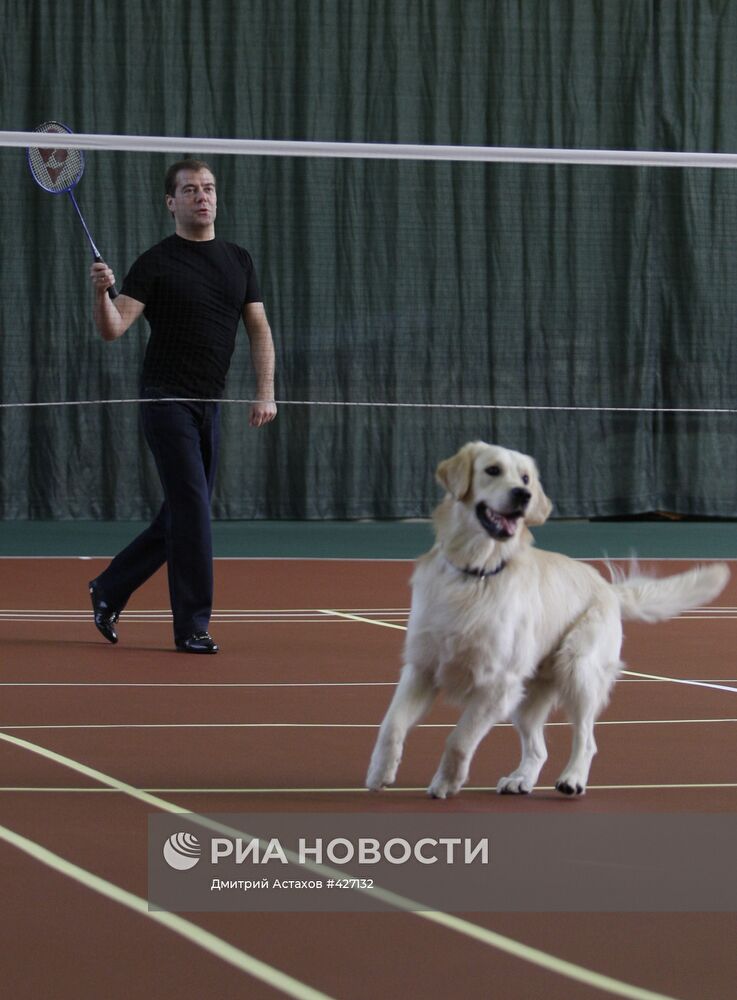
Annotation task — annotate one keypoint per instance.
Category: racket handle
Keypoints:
(112, 291)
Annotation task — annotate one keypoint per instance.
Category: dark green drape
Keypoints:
(429, 283)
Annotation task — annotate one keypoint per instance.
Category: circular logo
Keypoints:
(182, 851)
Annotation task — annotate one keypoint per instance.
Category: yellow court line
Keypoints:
(395, 789)
(335, 725)
(192, 932)
(500, 942)
(360, 618)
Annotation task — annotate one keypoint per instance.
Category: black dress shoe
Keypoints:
(105, 616)
(200, 642)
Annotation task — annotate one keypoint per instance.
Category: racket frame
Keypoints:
(68, 189)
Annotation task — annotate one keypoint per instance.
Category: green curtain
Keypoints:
(389, 282)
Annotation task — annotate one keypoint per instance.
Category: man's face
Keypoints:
(194, 202)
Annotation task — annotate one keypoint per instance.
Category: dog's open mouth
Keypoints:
(495, 524)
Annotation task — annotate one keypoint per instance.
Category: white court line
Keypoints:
(197, 684)
(639, 679)
(500, 942)
(334, 725)
(650, 679)
(679, 680)
(62, 617)
(192, 932)
(601, 559)
(133, 618)
(280, 612)
(224, 616)
(711, 610)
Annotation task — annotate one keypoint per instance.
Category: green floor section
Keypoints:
(376, 539)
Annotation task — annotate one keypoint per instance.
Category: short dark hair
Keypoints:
(170, 180)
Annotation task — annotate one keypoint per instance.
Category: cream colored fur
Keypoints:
(539, 630)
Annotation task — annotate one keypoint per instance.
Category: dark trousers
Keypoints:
(184, 440)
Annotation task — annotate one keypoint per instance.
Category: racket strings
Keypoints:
(55, 168)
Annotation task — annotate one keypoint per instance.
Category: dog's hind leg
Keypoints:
(414, 695)
(585, 667)
(529, 720)
(576, 772)
(584, 702)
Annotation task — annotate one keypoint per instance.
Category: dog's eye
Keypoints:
(493, 470)
(525, 479)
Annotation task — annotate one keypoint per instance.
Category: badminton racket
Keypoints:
(58, 171)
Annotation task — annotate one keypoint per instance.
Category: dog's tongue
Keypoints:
(505, 524)
(509, 526)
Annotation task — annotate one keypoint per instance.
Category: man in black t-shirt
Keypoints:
(193, 289)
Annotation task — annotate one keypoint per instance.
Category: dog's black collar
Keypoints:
(479, 574)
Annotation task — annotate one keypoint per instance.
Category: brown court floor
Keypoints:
(283, 719)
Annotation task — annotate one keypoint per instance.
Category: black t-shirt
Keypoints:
(194, 293)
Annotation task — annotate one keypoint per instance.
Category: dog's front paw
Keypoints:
(450, 776)
(381, 772)
(514, 785)
(442, 787)
(440, 790)
(376, 784)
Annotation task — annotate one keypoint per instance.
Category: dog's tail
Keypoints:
(646, 599)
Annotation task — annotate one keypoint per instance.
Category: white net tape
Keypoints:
(379, 150)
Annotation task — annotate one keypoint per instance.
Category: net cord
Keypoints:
(377, 150)
(379, 405)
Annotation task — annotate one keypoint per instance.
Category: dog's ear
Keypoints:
(540, 506)
(456, 473)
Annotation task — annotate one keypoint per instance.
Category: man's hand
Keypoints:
(102, 277)
(112, 316)
(261, 412)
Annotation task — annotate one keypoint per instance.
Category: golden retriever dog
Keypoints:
(507, 631)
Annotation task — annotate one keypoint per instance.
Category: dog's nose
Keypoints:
(520, 497)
